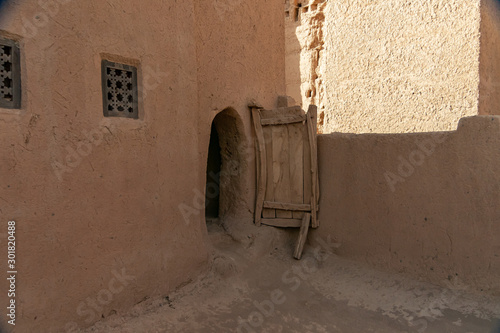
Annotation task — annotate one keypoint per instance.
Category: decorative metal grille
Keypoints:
(119, 87)
(10, 75)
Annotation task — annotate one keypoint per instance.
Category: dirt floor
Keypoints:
(254, 285)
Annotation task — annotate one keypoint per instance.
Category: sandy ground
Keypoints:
(254, 285)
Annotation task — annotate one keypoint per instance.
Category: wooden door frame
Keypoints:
(310, 121)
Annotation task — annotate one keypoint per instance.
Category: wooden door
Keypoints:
(287, 167)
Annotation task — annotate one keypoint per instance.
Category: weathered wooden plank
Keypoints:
(282, 223)
(296, 148)
(283, 120)
(307, 165)
(281, 168)
(288, 111)
(315, 126)
(301, 241)
(296, 109)
(269, 196)
(260, 167)
(312, 133)
(287, 206)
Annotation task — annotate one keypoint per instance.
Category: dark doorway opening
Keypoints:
(226, 165)
(214, 164)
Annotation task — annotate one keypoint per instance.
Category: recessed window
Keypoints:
(119, 90)
(297, 13)
(10, 75)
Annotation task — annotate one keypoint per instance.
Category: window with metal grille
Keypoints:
(10, 74)
(119, 90)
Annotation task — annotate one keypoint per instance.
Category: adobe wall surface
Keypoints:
(240, 61)
(489, 63)
(96, 200)
(424, 204)
(385, 66)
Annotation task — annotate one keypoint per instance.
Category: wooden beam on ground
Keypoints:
(301, 241)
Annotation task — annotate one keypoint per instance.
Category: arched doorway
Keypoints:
(226, 165)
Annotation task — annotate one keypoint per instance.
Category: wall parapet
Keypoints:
(425, 204)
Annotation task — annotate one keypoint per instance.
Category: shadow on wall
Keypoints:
(226, 166)
(497, 329)
(3, 12)
(424, 204)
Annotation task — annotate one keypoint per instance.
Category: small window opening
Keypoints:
(10, 74)
(297, 12)
(119, 90)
